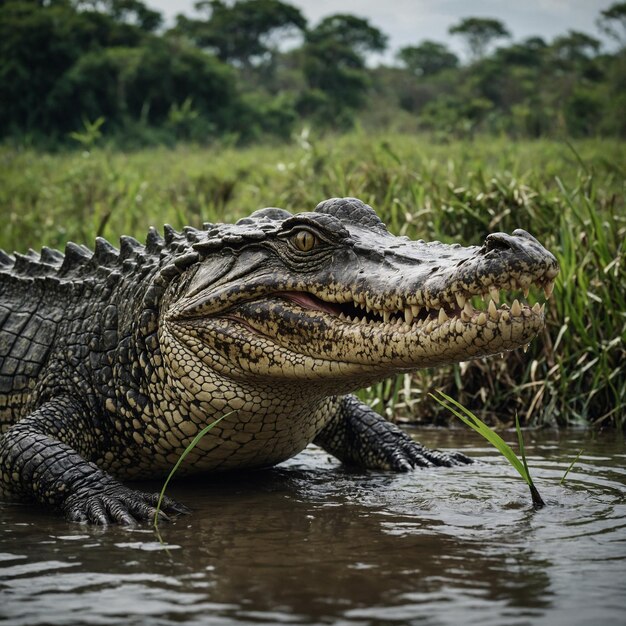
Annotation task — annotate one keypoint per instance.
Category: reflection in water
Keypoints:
(312, 543)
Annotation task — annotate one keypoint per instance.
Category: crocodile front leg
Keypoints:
(43, 457)
(357, 435)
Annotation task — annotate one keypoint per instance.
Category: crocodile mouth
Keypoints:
(459, 309)
(315, 325)
(343, 326)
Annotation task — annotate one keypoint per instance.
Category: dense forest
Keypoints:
(83, 71)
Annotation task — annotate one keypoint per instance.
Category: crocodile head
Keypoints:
(332, 295)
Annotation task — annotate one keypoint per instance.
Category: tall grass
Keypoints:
(569, 196)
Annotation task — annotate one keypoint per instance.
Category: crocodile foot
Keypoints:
(360, 436)
(406, 454)
(117, 504)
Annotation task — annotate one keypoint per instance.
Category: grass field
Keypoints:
(569, 196)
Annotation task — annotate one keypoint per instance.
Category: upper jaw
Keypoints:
(442, 282)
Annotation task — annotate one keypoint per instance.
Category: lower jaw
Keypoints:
(368, 347)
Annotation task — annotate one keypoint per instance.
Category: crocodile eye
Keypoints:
(304, 240)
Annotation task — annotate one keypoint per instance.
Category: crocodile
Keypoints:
(113, 360)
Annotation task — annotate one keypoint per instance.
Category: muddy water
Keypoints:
(312, 543)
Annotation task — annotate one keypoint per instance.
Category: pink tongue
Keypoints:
(310, 302)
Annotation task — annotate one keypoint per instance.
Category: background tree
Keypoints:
(350, 32)
(334, 67)
(39, 44)
(66, 65)
(530, 52)
(241, 33)
(131, 12)
(479, 33)
(612, 21)
(63, 66)
(149, 83)
(575, 47)
(428, 58)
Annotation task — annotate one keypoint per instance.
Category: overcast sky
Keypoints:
(407, 22)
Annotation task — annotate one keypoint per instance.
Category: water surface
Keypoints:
(310, 542)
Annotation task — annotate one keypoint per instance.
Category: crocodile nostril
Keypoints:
(519, 232)
(499, 241)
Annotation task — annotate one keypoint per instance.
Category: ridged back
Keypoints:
(46, 297)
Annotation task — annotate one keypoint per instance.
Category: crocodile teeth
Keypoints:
(442, 316)
(516, 309)
(525, 348)
(408, 315)
(467, 312)
(494, 292)
(460, 299)
(415, 309)
(525, 282)
(504, 316)
(548, 289)
(386, 316)
(482, 319)
(536, 308)
(493, 310)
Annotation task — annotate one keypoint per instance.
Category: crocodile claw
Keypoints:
(408, 455)
(116, 504)
(360, 436)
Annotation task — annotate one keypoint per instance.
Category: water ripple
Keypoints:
(312, 542)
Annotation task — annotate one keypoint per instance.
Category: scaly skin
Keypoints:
(112, 361)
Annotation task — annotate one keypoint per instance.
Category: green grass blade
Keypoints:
(537, 499)
(480, 427)
(567, 471)
(495, 440)
(187, 450)
(520, 440)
